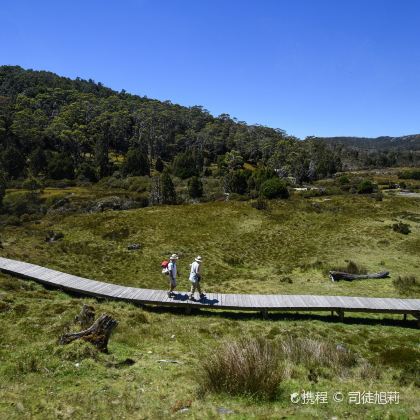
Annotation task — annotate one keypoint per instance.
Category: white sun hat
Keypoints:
(198, 259)
(173, 257)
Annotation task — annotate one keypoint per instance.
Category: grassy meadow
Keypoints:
(286, 249)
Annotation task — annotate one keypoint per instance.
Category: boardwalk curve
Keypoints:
(263, 303)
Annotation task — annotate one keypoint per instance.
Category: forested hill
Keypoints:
(385, 151)
(411, 142)
(54, 127)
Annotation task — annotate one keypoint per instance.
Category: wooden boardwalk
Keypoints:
(263, 303)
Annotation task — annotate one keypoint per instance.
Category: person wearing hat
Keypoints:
(195, 277)
(172, 274)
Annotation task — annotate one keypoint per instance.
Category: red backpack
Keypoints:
(164, 264)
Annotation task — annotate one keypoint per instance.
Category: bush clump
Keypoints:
(411, 174)
(244, 367)
(260, 204)
(274, 188)
(351, 268)
(315, 353)
(32, 184)
(257, 366)
(366, 187)
(407, 284)
(401, 227)
(195, 187)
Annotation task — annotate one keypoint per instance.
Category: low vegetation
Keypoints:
(401, 227)
(407, 285)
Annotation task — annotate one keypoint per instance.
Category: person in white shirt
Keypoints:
(195, 277)
(172, 274)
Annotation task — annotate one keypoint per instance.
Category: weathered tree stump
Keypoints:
(86, 316)
(98, 334)
(341, 275)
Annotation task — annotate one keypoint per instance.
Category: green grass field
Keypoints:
(287, 249)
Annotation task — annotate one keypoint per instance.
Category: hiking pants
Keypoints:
(195, 286)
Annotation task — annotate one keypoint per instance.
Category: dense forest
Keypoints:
(52, 127)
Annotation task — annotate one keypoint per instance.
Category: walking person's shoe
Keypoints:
(202, 295)
(191, 297)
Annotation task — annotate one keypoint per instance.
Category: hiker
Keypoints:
(195, 277)
(172, 274)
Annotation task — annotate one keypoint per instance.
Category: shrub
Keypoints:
(13, 220)
(184, 166)
(344, 180)
(136, 163)
(168, 189)
(236, 181)
(12, 161)
(60, 166)
(319, 192)
(274, 188)
(411, 174)
(22, 203)
(233, 160)
(87, 172)
(37, 161)
(365, 187)
(32, 184)
(260, 204)
(351, 267)
(260, 175)
(195, 187)
(245, 367)
(137, 183)
(407, 284)
(159, 166)
(401, 227)
(379, 196)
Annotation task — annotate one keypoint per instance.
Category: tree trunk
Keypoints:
(340, 275)
(98, 334)
(86, 316)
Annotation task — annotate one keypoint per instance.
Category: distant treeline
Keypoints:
(58, 128)
(379, 152)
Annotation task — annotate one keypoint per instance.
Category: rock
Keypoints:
(223, 410)
(114, 203)
(133, 247)
(340, 347)
(183, 410)
(53, 236)
(60, 203)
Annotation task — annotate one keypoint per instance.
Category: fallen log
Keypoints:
(341, 275)
(97, 334)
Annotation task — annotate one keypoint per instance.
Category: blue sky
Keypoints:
(320, 67)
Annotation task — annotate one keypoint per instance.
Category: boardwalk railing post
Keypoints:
(340, 313)
(188, 310)
(264, 313)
